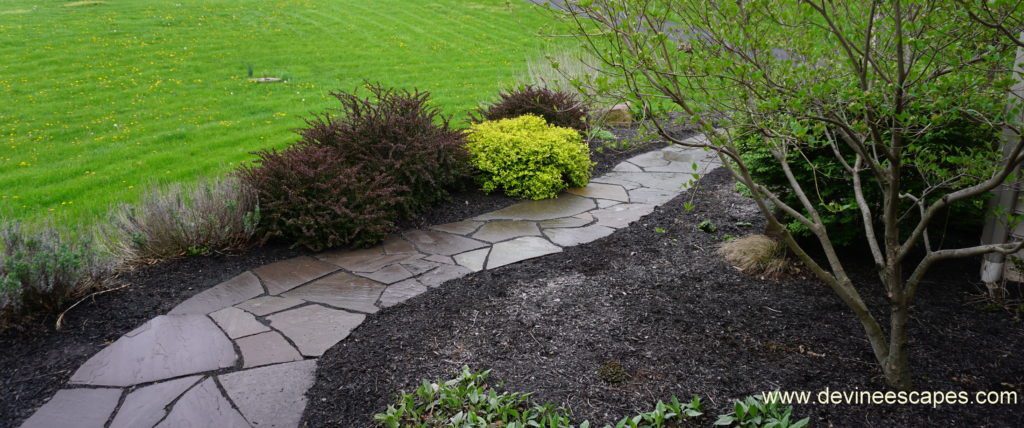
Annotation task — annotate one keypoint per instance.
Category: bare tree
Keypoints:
(869, 76)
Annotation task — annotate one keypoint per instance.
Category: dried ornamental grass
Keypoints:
(756, 255)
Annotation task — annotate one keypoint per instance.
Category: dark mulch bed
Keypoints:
(37, 361)
(680, 322)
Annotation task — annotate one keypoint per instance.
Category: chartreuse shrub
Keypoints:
(43, 270)
(468, 401)
(557, 107)
(358, 170)
(528, 158)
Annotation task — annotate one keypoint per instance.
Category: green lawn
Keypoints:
(102, 99)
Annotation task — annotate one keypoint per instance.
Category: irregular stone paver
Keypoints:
(621, 216)
(651, 196)
(228, 293)
(368, 260)
(400, 292)
(144, 407)
(508, 252)
(287, 274)
(314, 328)
(419, 266)
(627, 167)
(174, 350)
(237, 323)
(441, 274)
(75, 408)
(341, 290)
(583, 235)
(437, 258)
(389, 275)
(165, 347)
(445, 244)
(203, 406)
(464, 227)
(473, 260)
(272, 396)
(565, 205)
(267, 305)
(602, 191)
(504, 230)
(398, 245)
(266, 348)
(574, 221)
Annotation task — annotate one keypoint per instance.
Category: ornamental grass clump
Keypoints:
(358, 170)
(43, 270)
(557, 107)
(217, 216)
(528, 158)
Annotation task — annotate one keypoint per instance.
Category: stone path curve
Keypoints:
(243, 353)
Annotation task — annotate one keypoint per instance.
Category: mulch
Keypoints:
(655, 300)
(37, 360)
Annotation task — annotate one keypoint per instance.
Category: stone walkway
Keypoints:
(243, 353)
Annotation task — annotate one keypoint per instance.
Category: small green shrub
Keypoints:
(355, 173)
(216, 216)
(528, 158)
(557, 107)
(753, 412)
(43, 270)
(468, 401)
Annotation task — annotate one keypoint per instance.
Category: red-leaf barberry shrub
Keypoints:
(558, 108)
(359, 170)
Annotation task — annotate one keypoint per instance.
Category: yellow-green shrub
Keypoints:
(528, 158)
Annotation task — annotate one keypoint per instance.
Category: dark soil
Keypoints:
(656, 300)
(37, 360)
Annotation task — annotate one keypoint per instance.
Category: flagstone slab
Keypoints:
(602, 191)
(437, 258)
(627, 167)
(204, 406)
(266, 305)
(605, 203)
(237, 323)
(266, 348)
(389, 274)
(285, 275)
(398, 245)
(443, 243)
(341, 290)
(516, 250)
(671, 181)
(464, 227)
(167, 346)
(574, 221)
(651, 196)
(314, 328)
(368, 260)
(650, 159)
(566, 205)
(473, 260)
(84, 407)
(503, 230)
(621, 216)
(442, 274)
(271, 396)
(400, 292)
(228, 293)
(420, 266)
(576, 236)
(145, 407)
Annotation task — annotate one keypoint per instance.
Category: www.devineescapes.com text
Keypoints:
(858, 397)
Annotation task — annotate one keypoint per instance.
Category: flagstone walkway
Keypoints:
(243, 353)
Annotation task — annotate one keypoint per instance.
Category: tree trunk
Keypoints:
(896, 367)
